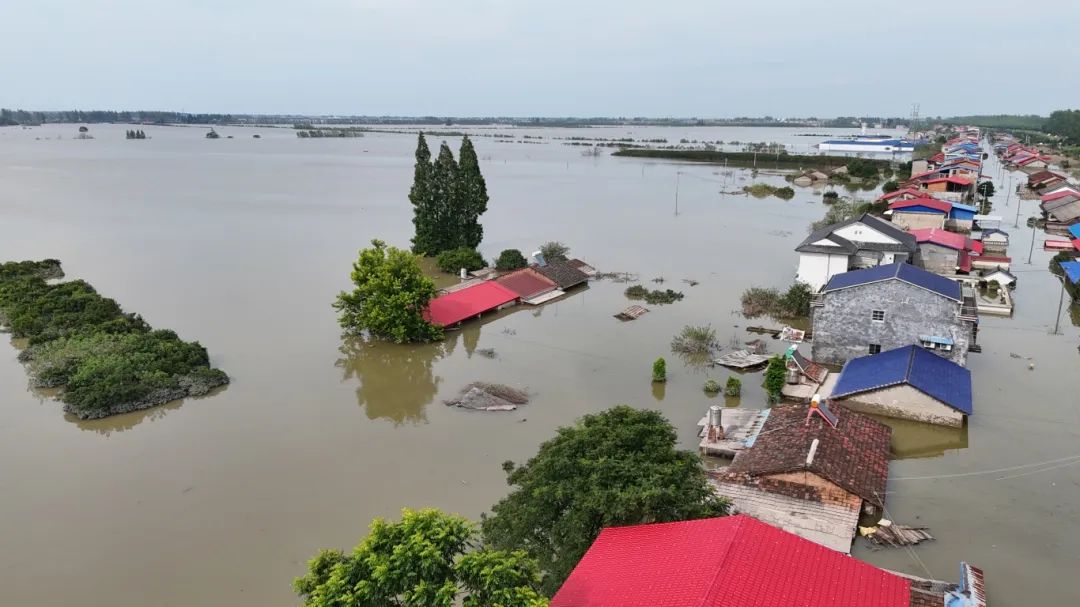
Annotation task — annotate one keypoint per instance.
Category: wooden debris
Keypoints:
(631, 313)
(895, 536)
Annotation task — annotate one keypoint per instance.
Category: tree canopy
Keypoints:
(425, 560)
(510, 259)
(1065, 124)
(390, 297)
(618, 467)
(448, 198)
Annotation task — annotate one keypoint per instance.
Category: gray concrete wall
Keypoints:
(843, 328)
(936, 258)
(905, 402)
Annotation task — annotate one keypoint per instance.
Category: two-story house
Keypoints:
(861, 242)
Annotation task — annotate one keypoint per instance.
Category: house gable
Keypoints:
(861, 232)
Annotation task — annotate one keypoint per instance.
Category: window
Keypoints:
(875, 348)
(877, 315)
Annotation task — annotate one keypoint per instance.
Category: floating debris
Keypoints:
(757, 346)
(617, 276)
(481, 396)
(742, 359)
(486, 352)
(691, 282)
(885, 533)
(632, 313)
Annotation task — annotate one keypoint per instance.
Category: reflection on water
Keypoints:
(397, 381)
(659, 389)
(127, 421)
(1074, 314)
(912, 439)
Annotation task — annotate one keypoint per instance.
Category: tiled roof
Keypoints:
(925, 371)
(526, 282)
(455, 307)
(899, 271)
(853, 455)
(733, 561)
(564, 274)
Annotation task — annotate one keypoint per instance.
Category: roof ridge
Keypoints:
(741, 518)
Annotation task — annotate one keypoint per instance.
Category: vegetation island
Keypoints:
(106, 361)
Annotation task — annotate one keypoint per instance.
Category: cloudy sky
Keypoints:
(552, 58)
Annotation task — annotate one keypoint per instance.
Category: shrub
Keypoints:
(463, 257)
(712, 387)
(510, 259)
(890, 186)
(774, 378)
(695, 340)
(784, 193)
(636, 292)
(733, 387)
(758, 301)
(862, 169)
(796, 302)
(653, 297)
(659, 370)
(554, 251)
(830, 197)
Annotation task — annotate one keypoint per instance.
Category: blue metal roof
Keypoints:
(900, 270)
(925, 371)
(1074, 230)
(1072, 270)
(965, 207)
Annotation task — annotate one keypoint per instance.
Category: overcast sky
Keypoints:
(715, 58)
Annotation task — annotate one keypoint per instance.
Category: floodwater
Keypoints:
(243, 243)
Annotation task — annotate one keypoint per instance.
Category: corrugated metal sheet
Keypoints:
(927, 372)
(902, 271)
(732, 561)
(457, 306)
(1072, 270)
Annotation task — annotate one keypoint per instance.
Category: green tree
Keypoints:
(444, 186)
(1065, 124)
(425, 560)
(463, 257)
(795, 303)
(554, 251)
(424, 241)
(472, 196)
(510, 259)
(774, 378)
(390, 297)
(890, 186)
(618, 467)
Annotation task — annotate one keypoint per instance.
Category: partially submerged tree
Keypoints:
(448, 198)
(453, 260)
(554, 251)
(659, 370)
(774, 378)
(426, 560)
(425, 239)
(390, 297)
(510, 259)
(618, 467)
(472, 195)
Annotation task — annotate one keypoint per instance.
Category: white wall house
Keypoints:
(863, 242)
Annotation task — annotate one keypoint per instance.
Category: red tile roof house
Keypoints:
(808, 477)
(945, 253)
(529, 284)
(733, 561)
(452, 308)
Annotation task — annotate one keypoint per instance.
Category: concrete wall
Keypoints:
(936, 258)
(915, 221)
(905, 402)
(815, 269)
(843, 328)
(859, 232)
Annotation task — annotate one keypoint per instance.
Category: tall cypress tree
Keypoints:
(423, 201)
(444, 181)
(472, 196)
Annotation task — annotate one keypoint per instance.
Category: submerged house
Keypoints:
(861, 242)
(917, 213)
(944, 252)
(908, 383)
(811, 472)
(948, 188)
(563, 273)
(531, 286)
(470, 302)
(878, 309)
(730, 561)
(994, 241)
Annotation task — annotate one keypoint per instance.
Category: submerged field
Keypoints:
(244, 243)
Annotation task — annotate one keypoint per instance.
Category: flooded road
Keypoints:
(242, 244)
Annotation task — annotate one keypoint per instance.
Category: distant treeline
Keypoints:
(747, 159)
(1030, 122)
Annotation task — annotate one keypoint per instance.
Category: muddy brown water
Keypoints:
(242, 244)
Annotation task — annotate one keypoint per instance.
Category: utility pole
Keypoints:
(1032, 249)
(1016, 224)
(677, 174)
(1061, 299)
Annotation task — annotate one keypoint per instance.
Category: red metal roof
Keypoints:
(1076, 243)
(1060, 194)
(733, 561)
(930, 203)
(901, 192)
(963, 261)
(457, 306)
(526, 282)
(952, 179)
(948, 239)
